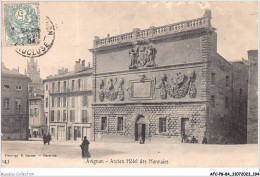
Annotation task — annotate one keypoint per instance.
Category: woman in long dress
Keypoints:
(84, 148)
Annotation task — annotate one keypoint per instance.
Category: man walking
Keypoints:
(84, 148)
(48, 138)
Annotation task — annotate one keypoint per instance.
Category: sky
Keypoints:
(77, 23)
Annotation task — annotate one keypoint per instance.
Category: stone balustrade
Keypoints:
(137, 34)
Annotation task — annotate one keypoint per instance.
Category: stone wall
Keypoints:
(177, 50)
(252, 116)
(220, 112)
(240, 96)
(195, 112)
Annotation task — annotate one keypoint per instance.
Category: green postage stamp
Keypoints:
(21, 23)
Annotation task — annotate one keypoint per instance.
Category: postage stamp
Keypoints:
(21, 23)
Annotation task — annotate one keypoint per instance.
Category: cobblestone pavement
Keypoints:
(131, 154)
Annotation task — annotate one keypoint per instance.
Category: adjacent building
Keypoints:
(252, 114)
(162, 82)
(37, 121)
(68, 99)
(14, 112)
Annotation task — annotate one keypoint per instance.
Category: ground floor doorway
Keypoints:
(140, 128)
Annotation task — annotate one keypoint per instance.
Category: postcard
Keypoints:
(129, 84)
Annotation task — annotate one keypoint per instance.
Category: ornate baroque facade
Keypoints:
(159, 82)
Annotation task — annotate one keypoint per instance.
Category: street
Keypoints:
(108, 154)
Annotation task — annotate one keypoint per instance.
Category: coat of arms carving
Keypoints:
(142, 56)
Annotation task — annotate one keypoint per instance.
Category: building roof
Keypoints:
(5, 72)
(71, 74)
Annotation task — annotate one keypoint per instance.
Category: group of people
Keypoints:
(84, 145)
(46, 139)
(192, 140)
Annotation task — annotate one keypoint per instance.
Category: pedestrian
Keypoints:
(44, 139)
(84, 148)
(48, 138)
(182, 136)
(141, 140)
(193, 140)
(204, 141)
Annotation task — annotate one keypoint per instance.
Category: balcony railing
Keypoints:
(198, 23)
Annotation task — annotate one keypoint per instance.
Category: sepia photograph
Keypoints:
(142, 84)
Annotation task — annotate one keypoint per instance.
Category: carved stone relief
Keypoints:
(182, 85)
(142, 56)
(110, 92)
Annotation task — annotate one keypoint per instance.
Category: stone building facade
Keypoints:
(159, 82)
(37, 120)
(252, 114)
(14, 111)
(67, 100)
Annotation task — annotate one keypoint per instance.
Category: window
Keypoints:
(6, 104)
(73, 85)
(213, 78)
(79, 84)
(58, 115)
(6, 87)
(64, 101)
(46, 103)
(52, 102)
(53, 87)
(64, 86)
(18, 104)
(47, 87)
(19, 87)
(120, 124)
(72, 115)
(58, 86)
(104, 123)
(226, 102)
(162, 125)
(58, 102)
(212, 98)
(84, 100)
(64, 116)
(227, 81)
(73, 102)
(52, 116)
(84, 118)
(31, 112)
(36, 111)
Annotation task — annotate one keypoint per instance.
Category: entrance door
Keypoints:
(61, 133)
(185, 126)
(140, 127)
(77, 133)
(69, 133)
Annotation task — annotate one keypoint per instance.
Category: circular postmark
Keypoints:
(45, 44)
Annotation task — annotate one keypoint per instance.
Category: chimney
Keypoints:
(79, 66)
(83, 63)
